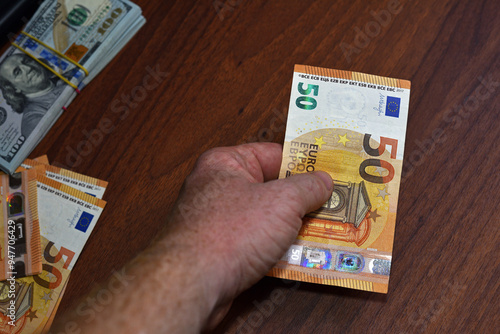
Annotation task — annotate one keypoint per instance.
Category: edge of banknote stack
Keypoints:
(352, 126)
(55, 211)
(20, 253)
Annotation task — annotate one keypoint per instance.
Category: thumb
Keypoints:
(304, 192)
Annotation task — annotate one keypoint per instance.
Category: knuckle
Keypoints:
(219, 165)
(220, 159)
(209, 157)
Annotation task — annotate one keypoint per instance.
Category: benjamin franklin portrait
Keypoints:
(29, 88)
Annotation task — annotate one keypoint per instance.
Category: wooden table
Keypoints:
(223, 73)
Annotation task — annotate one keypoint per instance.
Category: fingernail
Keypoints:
(325, 177)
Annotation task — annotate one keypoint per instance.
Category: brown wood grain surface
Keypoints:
(223, 72)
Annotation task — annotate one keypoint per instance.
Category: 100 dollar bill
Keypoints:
(352, 126)
(38, 75)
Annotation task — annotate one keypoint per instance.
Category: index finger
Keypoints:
(268, 156)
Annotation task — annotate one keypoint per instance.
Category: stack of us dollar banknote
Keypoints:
(61, 49)
(48, 213)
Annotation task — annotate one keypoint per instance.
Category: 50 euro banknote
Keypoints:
(67, 218)
(352, 126)
(84, 183)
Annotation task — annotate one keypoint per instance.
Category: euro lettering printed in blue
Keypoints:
(84, 221)
(392, 106)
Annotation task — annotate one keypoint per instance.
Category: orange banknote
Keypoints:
(20, 252)
(67, 218)
(352, 126)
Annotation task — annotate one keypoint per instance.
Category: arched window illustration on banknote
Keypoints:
(343, 217)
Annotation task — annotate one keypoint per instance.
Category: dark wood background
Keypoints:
(229, 74)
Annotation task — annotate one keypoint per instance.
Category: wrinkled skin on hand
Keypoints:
(239, 220)
(231, 223)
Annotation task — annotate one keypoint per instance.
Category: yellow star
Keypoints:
(343, 139)
(319, 141)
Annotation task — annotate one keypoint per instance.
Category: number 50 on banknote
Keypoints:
(352, 126)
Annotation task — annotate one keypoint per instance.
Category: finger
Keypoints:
(303, 193)
(255, 162)
(268, 157)
(217, 315)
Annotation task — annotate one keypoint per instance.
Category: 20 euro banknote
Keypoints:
(352, 126)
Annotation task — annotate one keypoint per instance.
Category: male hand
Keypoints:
(232, 222)
(239, 219)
